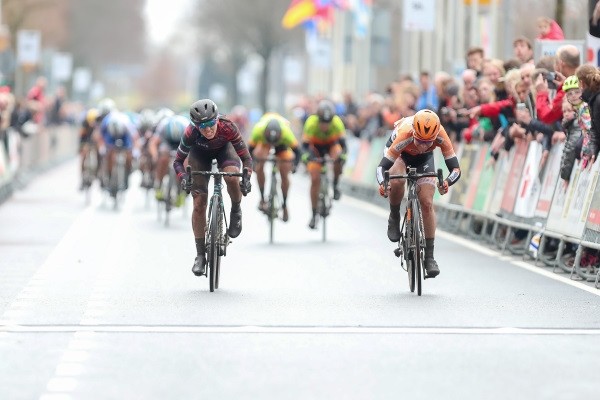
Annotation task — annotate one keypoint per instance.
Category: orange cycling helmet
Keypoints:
(426, 125)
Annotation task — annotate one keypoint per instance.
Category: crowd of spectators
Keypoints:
(500, 102)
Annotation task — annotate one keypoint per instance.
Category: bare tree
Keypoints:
(244, 27)
(15, 13)
(108, 32)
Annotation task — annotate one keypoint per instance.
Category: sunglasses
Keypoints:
(206, 124)
(428, 142)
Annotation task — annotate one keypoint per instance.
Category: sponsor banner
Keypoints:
(475, 178)
(570, 205)
(487, 179)
(592, 225)
(550, 177)
(502, 167)
(529, 187)
(353, 148)
(459, 189)
(439, 161)
(4, 171)
(514, 177)
(362, 158)
(375, 154)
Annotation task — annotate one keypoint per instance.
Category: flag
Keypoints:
(298, 12)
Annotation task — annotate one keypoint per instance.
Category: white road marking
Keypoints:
(68, 369)
(61, 385)
(55, 396)
(77, 356)
(482, 249)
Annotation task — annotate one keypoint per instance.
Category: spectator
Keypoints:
(589, 80)
(548, 29)
(523, 50)
(475, 57)
(594, 22)
(469, 76)
(574, 139)
(566, 62)
(513, 63)
(547, 63)
(36, 100)
(493, 69)
(428, 98)
(56, 116)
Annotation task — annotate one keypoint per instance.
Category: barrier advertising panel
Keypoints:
(551, 176)
(459, 189)
(503, 164)
(592, 225)
(475, 177)
(514, 177)
(570, 205)
(529, 187)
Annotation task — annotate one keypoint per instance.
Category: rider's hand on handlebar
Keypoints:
(443, 188)
(382, 191)
(305, 157)
(245, 186)
(186, 186)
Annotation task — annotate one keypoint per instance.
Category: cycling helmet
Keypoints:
(173, 128)
(426, 125)
(202, 111)
(147, 119)
(91, 116)
(117, 125)
(325, 111)
(572, 82)
(105, 106)
(273, 131)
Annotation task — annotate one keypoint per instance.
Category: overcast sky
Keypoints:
(163, 16)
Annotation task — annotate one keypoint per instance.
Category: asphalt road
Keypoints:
(97, 303)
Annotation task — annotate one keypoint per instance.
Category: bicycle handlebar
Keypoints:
(412, 176)
(245, 174)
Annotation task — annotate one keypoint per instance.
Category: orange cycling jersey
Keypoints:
(403, 142)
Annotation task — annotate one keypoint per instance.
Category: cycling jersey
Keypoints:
(127, 138)
(227, 133)
(402, 144)
(287, 136)
(313, 134)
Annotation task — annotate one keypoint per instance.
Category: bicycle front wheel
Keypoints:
(212, 244)
(418, 252)
(406, 243)
(273, 208)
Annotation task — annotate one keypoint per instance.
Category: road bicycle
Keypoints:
(325, 200)
(116, 182)
(172, 193)
(216, 235)
(411, 246)
(90, 170)
(273, 201)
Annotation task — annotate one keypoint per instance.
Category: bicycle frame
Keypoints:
(411, 246)
(216, 236)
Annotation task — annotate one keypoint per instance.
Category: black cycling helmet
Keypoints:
(273, 131)
(203, 110)
(325, 111)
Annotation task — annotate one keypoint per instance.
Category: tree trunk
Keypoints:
(264, 84)
(560, 12)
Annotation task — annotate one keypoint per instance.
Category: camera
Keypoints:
(550, 77)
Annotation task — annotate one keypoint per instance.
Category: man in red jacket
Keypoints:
(566, 61)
